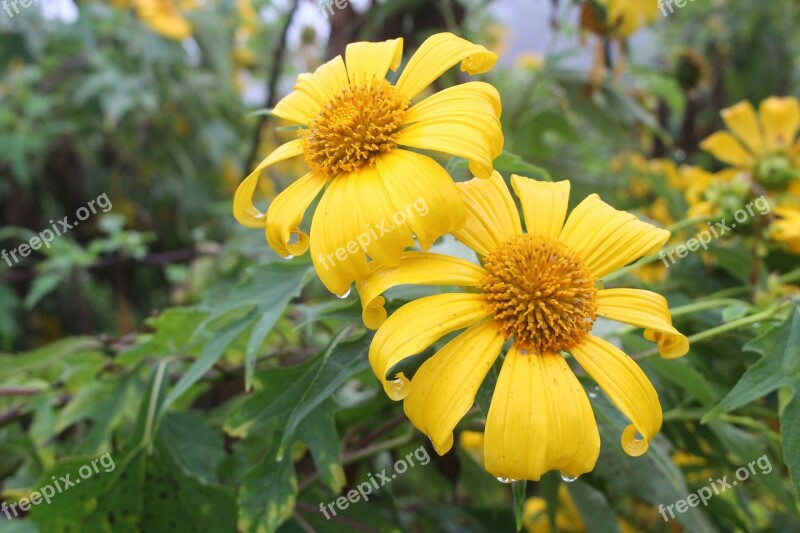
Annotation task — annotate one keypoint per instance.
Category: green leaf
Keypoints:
(336, 365)
(210, 354)
(593, 507)
(269, 289)
(779, 366)
(137, 491)
(653, 476)
(267, 496)
(318, 431)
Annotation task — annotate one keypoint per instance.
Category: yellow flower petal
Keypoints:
(444, 387)
(436, 55)
(780, 118)
(742, 120)
(727, 149)
(644, 309)
(417, 268)
(286, 212)
(383, 234)
(245, 212)
(540, 420)
(544, 205)
(787, 228)
(312, 91)
(627, 387)
(462, 121)
(367, 61)
(418, 324)
(608, 239)
(493, 217)
(334, 226)
(420, 188)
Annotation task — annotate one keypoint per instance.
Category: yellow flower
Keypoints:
(568, 519)
(787, 228)
(164, 17)
(626, 17)
(472, 443)
(354, 124)
(538, 288)
(763, 144)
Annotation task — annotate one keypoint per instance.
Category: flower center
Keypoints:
(540, 292)
(354, 128)
(775, 171)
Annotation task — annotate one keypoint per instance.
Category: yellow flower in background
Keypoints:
(539, 289)
(764, 144)
(568, 519)
(472, 443)
(165, 17)
(629, 16)
(355, 131)
(786, 228)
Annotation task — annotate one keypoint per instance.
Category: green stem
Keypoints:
(678, 226)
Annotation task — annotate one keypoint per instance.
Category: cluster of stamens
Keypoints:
(540, 292)
(354, 128)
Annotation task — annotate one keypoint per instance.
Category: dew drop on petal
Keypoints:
(505, 480)
(523, 352)
(345, 295)
(288, 258)
(567, 478)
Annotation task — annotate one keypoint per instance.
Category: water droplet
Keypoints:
(505, 480)
(593, 392)
(344, 296)
(567, 478)
(288, 258)
(523, 352)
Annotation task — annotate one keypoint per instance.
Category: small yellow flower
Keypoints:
(568, 519)
(787, 228)
(623, 18)
(763, 144)
(539, 289)
(353, 125)
(164, 17)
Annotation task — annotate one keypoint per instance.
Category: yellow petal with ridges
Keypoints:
(371, 61)
(540, 419)
(492, 217)
(742, 120)
(420, 323)
(244, 211)
(727, 149)
(418, 268)
(436, 55)
(335, 224)
(312, 91)
(780, 118)
(462, 121)
(423, 192)
(606, 238)
(647, 310)
(286, 212)
(626, 386)
(444, 387)
(544, 204)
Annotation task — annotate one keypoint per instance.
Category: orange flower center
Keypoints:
(354, 128)
(540, 292)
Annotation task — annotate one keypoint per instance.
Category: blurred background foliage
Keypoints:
(234, 392)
